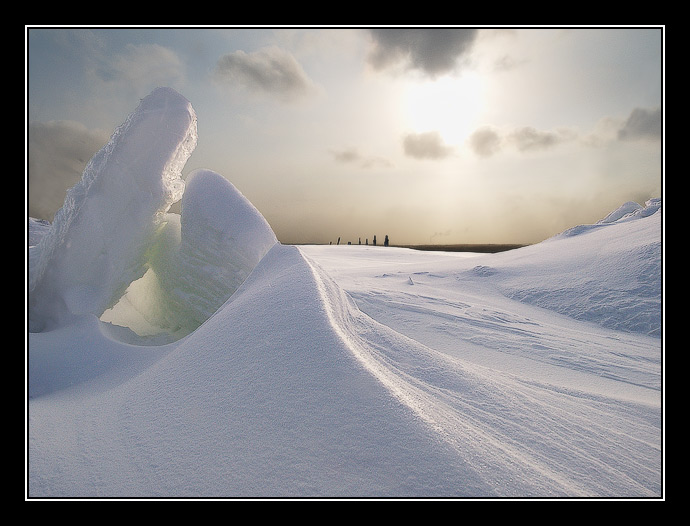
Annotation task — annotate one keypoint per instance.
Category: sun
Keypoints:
(449, 105)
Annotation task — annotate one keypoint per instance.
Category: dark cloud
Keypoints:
(58, 151)
(642, 124)
(434, 51)
(485, 142)
(428, 145)
(272, 71)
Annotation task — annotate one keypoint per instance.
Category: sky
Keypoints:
(427, 134)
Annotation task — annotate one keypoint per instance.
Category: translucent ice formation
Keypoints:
(198, 261)
(97, 243)
(223, 237)
(115, 235)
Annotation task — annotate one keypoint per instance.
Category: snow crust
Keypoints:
(336, 371)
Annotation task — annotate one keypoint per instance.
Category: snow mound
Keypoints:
(115, 251)
(608, 273)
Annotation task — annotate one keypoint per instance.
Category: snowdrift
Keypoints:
(333, 371)
(611, 276)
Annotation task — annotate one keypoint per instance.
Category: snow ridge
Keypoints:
(626, 212)
(459, 402)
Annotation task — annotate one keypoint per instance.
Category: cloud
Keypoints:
(58, 151)
(351, 156)
(428, 145)
(346, 156)
(642, 124)
(433, 51)
(138, 69)
(485, 141)
(531, 139)
(270, 71)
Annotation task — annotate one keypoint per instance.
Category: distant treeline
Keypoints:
(484, 248)
(366, 241)
(487, 248)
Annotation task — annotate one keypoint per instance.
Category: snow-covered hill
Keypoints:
(342, 371)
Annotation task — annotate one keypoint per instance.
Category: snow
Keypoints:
(232, 366)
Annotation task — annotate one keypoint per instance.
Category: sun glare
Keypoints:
(449, 106)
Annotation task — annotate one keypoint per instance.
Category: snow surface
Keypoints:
(336, 371)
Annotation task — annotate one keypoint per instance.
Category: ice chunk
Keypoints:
(97, 244)
(199, 260)
(223, 237)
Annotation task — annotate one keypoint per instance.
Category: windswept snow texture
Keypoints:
(569, 278)
(348, 371)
